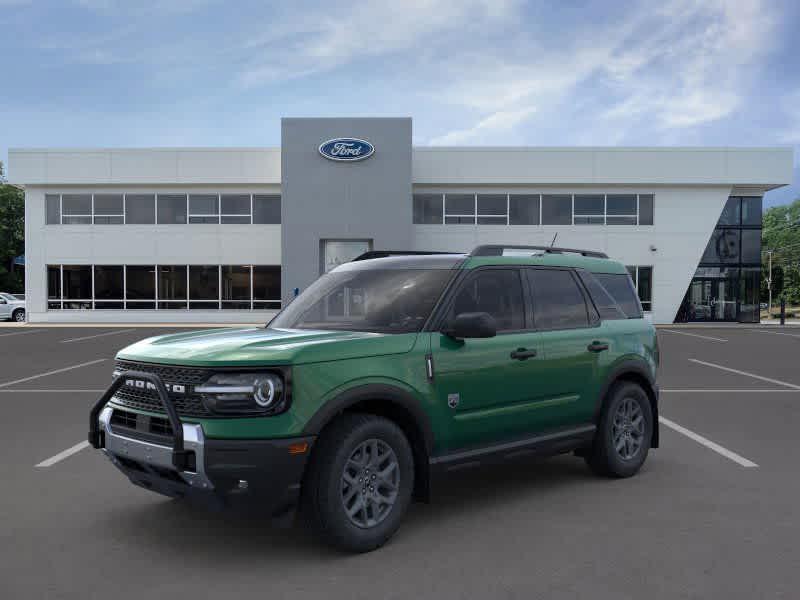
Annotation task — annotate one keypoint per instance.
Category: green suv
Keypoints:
(383, 372)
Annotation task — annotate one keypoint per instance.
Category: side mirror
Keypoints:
(471, 325)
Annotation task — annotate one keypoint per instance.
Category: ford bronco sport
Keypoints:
(384, 371)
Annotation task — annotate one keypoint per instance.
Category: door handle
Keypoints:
(596, 346)
(523, 354)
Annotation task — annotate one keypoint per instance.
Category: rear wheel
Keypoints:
(19, 315)
(359, 483)
(624, 433)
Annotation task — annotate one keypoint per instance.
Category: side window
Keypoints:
(621, 289)
(494, 291)
(558, 302)
(605, 304)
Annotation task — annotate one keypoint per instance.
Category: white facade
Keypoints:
(690, 188)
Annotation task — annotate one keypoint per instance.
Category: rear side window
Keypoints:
(558, 302)
(621, 289)
(494, 291)
(606, 305)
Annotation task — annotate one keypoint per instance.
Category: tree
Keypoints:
(12, 235)
(781, 235)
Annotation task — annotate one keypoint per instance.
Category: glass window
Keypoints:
(731, 212)
(140, 283)
(140, 209)
(558, 302)
(606, 306)
(750, 295)
(494, 291)
(78, 283)
(621, 288)
(76, 209)
(459, 209)
(621, 209)
(751, 246)
(557, 209)
(589, 209)
(171, 209)
(54, 283)
(203, 286)
(108, 282)
(644, 287)
(337, 252)
(723, 247)
(646, 209)
(236, 287)
(427, 209)
(203, 208)
(266, 286)
(53, 209)
(751, 211)
(266, 208)
(235, 208)
(492, 209)
(380, 300)
(108, 209)
(523, 209)
(172, 286)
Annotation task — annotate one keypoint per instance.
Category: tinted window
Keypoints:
(266, 209)
(621, 289)
(108, 209)
(108, 282)
(557, 300)
(730, 214)
(140, 282)
(428, 209)
(266, 286)
(557, 209)
(172, 282)
(203, 208)
(459, 204)
(751, 211)
(589, 209)
(236, 287)
(751, 245)
(646, 204)
(492, 209)
(54, 282)
(606, 306)
(77, 282)
(723, 247)
(77, 209)
(497, 292)
(523, 209)
(203, 285)
(235, 208)
(171, 209)
(140, 209)
(53, 205)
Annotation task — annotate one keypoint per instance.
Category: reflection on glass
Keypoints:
(338, 252)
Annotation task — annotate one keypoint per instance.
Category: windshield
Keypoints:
(376, 300)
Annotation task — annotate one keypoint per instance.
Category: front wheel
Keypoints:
(624, 433)
(359, 483)
(19, 315)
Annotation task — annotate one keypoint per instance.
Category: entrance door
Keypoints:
(712, 300)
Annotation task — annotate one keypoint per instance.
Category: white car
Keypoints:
(12, 308)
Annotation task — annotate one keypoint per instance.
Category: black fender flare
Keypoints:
(641, 372)
(377, 392)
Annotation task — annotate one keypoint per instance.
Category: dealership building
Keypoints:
(231, 234)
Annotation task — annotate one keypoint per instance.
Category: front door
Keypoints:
(490, 395)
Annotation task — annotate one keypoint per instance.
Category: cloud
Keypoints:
(495, 123)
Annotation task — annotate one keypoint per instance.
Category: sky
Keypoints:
(107, 73)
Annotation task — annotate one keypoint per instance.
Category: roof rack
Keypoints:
(385, 253)
(497, 250)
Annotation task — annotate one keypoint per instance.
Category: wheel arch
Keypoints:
(635, 371)
(395, 404)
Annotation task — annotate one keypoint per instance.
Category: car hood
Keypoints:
(260, 346)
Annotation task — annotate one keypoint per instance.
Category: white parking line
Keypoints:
(728, 391)
(740, 460)
(794, 335)
(697, 335)
(746, 374)
(79, 391)
(89, 337)
(24, 379)
(64, 454)
(22, 332)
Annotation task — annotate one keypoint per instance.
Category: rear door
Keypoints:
(572, 340)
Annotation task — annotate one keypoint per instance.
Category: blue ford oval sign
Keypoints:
(346, 149)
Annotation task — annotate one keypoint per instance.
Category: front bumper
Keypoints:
(262, 474)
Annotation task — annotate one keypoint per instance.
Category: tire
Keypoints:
(18, 315)
(350, 443)
(626, 402)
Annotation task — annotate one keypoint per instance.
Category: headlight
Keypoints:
(244, 394)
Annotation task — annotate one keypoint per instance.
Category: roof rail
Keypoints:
(385, 253)
(497, 250)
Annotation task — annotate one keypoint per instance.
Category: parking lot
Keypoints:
(713, 514)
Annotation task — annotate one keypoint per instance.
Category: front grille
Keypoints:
(187, 405)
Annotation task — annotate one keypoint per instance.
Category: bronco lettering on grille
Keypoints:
(175, 388)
